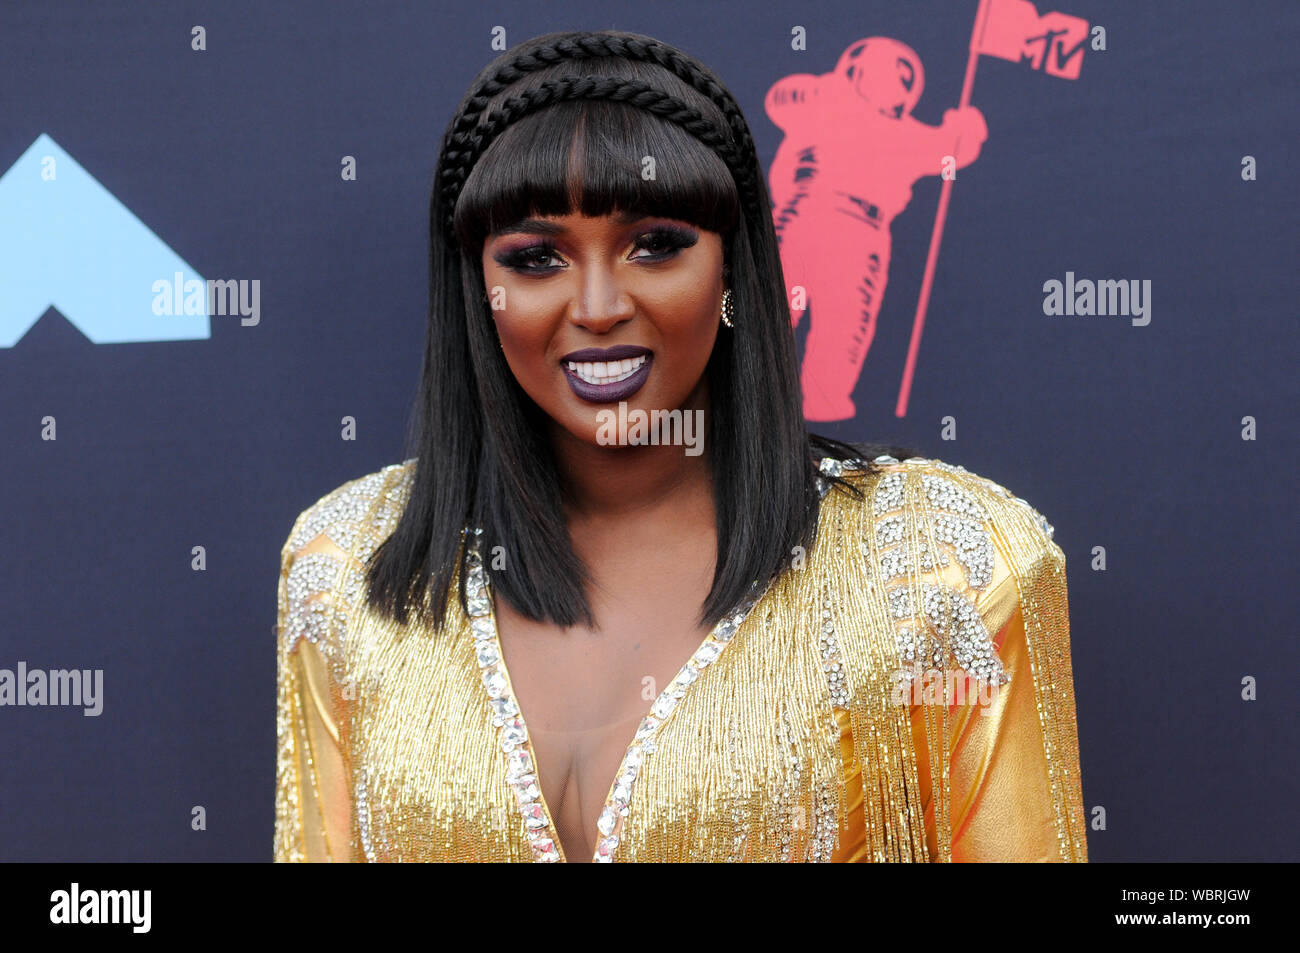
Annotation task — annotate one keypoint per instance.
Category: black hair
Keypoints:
(560, 123)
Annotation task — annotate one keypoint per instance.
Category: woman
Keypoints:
(742, 647)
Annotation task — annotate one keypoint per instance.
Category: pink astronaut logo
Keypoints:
(851, 154)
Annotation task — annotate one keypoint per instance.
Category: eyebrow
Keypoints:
(545, 227)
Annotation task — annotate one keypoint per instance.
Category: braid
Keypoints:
(469, 134)
(471, 145)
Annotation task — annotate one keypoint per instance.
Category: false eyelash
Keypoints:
(671, 239)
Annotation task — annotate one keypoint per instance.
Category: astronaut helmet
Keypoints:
(884, 72)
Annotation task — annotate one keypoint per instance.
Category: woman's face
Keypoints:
(592, 312)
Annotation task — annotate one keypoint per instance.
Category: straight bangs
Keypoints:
(596, 157)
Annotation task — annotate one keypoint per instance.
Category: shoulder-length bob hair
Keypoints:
(483, 459)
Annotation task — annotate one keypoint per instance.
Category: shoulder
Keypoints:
(941, 491)
(322, 560)
(951, 550)
(338, 516)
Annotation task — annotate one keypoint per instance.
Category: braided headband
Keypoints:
(467, 139)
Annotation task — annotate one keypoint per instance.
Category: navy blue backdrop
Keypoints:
(227, 162)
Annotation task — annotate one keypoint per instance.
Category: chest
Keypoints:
(583, 692)
(505, 742)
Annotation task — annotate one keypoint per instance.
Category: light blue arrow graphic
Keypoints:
(67, 241)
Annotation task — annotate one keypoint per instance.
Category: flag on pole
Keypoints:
(1013, 30)
(1010, 30)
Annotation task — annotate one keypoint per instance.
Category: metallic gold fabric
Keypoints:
(791, 746)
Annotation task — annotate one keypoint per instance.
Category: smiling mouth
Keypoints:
(604, 382)
(605, 372)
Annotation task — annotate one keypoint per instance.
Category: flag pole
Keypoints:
(936, 236)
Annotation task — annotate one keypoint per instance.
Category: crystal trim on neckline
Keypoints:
(512, 733)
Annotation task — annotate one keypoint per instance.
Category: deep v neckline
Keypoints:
(512, 731)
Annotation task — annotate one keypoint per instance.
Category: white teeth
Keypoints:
(606, 372)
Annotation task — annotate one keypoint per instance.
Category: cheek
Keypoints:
(693, 318)
(523, 324)
(515, 335)
(687, 314)
(526, 339)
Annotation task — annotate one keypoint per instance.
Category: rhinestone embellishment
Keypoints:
(512, 733)
(959, 525)
(320, 591)
(310, 611)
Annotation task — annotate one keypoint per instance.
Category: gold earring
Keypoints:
(728, 311)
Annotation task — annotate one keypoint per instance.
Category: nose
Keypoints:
(600, 302)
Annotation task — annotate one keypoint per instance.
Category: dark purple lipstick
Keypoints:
(620, 388)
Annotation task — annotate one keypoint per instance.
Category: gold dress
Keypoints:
(903, 692)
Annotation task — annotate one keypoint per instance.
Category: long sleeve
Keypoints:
(313, 807)
(967, 750)
(1013, 759)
